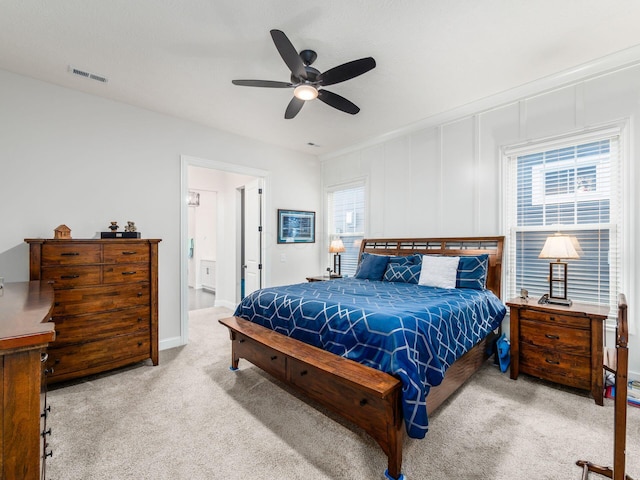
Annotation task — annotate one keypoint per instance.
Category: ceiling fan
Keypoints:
(307, 81)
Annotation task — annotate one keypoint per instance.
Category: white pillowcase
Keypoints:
(439, 271)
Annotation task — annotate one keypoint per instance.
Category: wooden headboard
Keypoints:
(444, 246)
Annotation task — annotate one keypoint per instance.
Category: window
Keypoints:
(346, 221)
(572, 186)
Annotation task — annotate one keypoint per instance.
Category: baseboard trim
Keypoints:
(170, 343)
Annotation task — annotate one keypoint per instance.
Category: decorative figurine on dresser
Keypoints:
(106, 302)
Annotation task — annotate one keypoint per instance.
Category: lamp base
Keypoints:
(560, 301)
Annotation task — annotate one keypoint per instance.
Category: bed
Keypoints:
(381, 353)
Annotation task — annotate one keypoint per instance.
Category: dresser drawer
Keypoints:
(123, 273)
(556, 319)
(70, 254)
(72, 275)
(569, 340)
(126, 253)
(77, 328)
(559, 367)
(93, 356)
(99, 299)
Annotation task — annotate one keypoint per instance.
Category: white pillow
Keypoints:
(439, 271)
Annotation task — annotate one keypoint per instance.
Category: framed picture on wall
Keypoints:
(296, 226)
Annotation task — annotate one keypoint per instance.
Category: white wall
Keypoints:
(445, 178)
(72, 158)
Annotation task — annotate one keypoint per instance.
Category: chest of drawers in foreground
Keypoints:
(106, 302)
(559, 344)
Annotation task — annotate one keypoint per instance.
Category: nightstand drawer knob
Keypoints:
(552, 362)
(552, 318)
(552, 337)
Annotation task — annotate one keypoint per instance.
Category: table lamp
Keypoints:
(336, 248)
(558, 247)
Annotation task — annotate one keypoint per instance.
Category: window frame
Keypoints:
(620, 227)
(330, 235)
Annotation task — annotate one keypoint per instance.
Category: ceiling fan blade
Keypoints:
(336, 101)
(346, 71)
(289, 54)
(262, 83)
(293, 108)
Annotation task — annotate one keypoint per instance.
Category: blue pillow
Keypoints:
(472, 272)
(372, 267)
(400, 261)
(402, 273)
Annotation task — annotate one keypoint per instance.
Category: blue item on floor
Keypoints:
(503, 345)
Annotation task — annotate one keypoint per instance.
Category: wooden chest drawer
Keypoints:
(356, 404)
(269, 360)
(123, 273)
(99, 299)
(70, 254)
(559, 367)
(126, 253)
(557, 319)
(77, 328)
(71, 276)
(93, 356)
(569, 340)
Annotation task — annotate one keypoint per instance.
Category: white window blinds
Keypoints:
(346, 210)
(572, 186)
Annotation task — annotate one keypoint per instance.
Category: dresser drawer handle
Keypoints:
(552, 362)
(139, 344)
(363, 402)
(274, 357)
(552, 319)
(129, 273)
(69, 254)
(129, 253)
(69, 276)
(303, 373)
(241, 340)
(552, 337)
(44, 357)
(49, 371)
(140, 294)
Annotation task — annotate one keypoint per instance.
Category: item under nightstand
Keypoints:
(558, 343)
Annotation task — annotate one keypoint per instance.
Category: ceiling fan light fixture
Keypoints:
(305, 92)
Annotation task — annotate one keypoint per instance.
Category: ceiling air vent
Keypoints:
(92, 76)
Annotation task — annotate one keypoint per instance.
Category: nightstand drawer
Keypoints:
(564, 368)
(568, 340)
(557, 319)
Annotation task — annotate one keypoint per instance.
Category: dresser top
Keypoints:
(91, 240)
(24, 310)
(577, 308)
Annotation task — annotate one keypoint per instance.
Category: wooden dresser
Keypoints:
(25, 309)
(106, 302)
(557, 343)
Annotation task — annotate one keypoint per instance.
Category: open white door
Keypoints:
(253, 236)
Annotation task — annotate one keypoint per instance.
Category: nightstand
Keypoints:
(557, 343)
(322, 278)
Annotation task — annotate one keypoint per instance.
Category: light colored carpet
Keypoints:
(192, 418)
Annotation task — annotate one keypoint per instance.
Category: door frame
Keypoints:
(187, 161)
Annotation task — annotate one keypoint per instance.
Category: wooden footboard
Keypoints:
(362, 395)
(365, 396)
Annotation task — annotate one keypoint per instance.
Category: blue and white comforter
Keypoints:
(410, 331)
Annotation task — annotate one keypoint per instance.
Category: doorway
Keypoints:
(214, 253)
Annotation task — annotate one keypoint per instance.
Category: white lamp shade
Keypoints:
(559, 246)
(336, 246)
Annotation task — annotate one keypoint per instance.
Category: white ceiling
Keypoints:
(178, 57)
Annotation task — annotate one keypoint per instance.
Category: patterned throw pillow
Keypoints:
(402, 273)
(472, 272)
